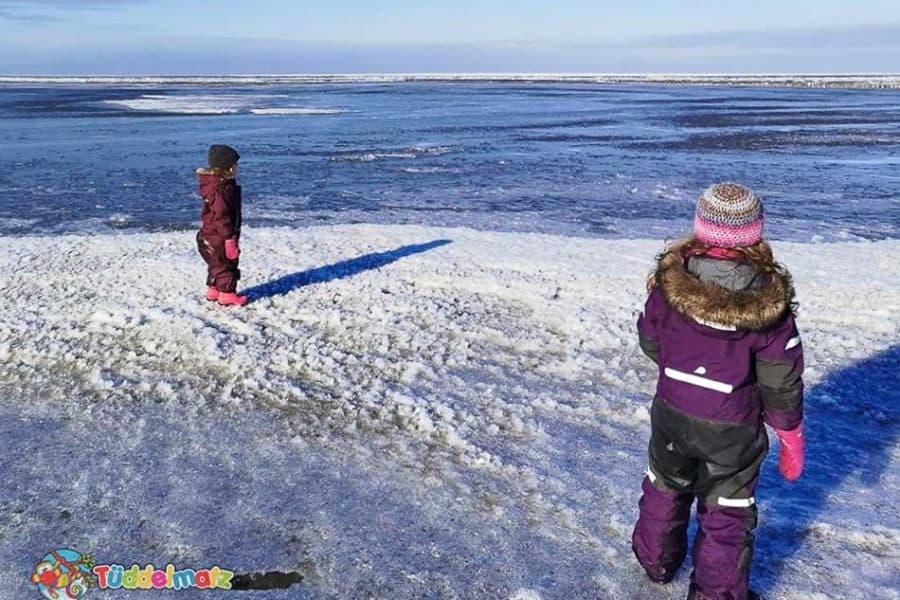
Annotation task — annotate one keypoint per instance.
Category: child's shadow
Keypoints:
(340, 270)
(852, 424)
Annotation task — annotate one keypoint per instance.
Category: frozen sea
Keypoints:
(567, 157)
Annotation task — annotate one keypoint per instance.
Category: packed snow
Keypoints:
(408, 412)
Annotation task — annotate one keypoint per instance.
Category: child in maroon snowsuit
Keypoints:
(719, 324)
(220, 230)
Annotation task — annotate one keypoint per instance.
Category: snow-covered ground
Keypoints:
(408, 412)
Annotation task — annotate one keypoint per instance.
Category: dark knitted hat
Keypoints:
(221, 156)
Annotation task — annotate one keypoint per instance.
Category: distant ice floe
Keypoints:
(428, 170)
(413, 152)
(298, 111)
(840, 80)
(217, 104)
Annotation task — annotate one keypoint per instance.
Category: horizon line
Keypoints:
(472, 74)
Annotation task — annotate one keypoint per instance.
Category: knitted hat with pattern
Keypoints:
(729, 215)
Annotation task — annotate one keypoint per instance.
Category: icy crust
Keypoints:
(220, 104)
(864, 80)
(404, 412)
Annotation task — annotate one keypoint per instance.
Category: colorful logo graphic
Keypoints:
(63, 575)
(67, 575)
(114, 577)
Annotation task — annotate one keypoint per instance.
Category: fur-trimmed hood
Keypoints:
(206, 172)
(209, 181)
(754, 309)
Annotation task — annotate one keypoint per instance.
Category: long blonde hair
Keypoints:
(759, 256)
(225, 173)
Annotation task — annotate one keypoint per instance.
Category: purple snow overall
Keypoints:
(220, 220)
(730, 360)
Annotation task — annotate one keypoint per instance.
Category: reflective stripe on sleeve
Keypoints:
(792, 343)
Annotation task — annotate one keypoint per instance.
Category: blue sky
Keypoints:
(353, 36)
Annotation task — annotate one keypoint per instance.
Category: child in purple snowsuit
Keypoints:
(719, 324)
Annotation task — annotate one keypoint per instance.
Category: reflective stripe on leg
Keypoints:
(723, 549)
(736, 502)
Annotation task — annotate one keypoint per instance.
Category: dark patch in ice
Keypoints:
(269, 580)
(757, 117)
(569, 123)
(773, 140)
(573, 138)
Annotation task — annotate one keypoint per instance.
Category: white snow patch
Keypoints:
(298, 110)
(395, 401)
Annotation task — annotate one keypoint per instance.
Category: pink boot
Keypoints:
(212, 294)
(231, 299)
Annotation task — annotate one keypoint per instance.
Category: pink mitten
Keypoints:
(790, 462)
(232, 250)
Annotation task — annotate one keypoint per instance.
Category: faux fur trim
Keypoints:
(205, 171)
(749, 310)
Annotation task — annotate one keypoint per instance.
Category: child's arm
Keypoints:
(779, 372)
(223, 211)
(648, 336)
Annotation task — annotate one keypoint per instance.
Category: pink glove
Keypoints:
(232, 250)
(790, 462)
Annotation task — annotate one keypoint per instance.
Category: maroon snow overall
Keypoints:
(220, 217)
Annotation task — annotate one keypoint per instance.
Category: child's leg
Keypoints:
(660, 536)
(208, 255)
(727, 517)
(659, 540)
(722, 552)
(234, 273)
(223, 274)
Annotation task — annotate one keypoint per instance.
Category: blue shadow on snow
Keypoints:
(339, 270)
(852, 425)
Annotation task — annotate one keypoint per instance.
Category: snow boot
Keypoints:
(212, 294)
(231, 299)
(659, 576)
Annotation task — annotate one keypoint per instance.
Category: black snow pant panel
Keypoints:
(708, 459)
(670, 469)
(222, 274)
